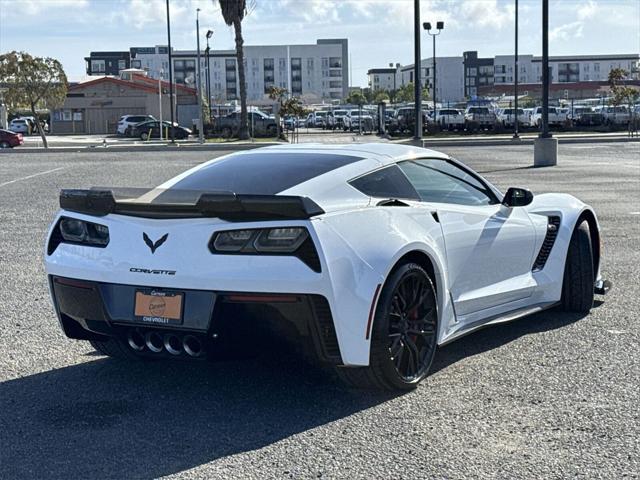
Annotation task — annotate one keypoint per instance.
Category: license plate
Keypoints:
(157, 306)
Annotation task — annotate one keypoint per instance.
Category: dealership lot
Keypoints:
(549, 396)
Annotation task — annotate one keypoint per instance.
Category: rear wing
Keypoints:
(188, 204)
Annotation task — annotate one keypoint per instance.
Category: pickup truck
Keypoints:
(479, 117)
(449, 118)
(260, 124)
(616, 115)
(353, 120)
(556, 117)
(507, 117)
(404, 120)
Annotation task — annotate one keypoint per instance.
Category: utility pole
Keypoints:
(209, 35)
(545, 149)
(199, 82)
(417, 84)
(160, 100)
(171, 132)
(439, 27)
(516, 73)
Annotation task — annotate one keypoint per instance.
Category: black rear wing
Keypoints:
(225, 205)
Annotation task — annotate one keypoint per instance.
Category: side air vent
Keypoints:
(553, 225)
(326, 330)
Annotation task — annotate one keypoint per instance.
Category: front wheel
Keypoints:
(579, 275)
(404, 333)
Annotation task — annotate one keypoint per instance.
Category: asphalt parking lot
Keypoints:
(553, 395)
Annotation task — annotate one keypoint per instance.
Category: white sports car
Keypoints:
(368, 256)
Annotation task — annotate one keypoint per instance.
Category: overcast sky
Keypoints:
(379, 31)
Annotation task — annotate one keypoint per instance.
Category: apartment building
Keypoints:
(107, 63)
(449, 77)
(316, 73)
(470, 75)
(382, 79)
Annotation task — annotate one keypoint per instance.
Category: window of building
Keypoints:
(97, 66)
(335, 62)
(282, 63)
(309, 63)
(136, 64)
(596, 67)
(122, 64)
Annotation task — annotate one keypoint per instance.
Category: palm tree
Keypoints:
(233, 12)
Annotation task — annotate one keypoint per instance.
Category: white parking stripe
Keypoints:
(31, 176)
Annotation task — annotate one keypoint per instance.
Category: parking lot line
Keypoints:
(31, 176)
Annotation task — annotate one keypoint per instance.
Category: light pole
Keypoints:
(545, 149)
(439, 27)
(394, 78)
(417, 87)
(160, 99)
(516, 73)
(171, 132)
(199, 81)
(208, 50)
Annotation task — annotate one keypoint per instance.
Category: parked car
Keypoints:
(404, 120)
(585, 116)
(127, 122)
(151, 129)
(507, 117)
(618, 115)
(20, 125)
(479, 117)
(449, 118)
(356, 121)
(556, 117)
(9, 139)
(260, 124)
(365, 257)
(336, 119)
(316, 119)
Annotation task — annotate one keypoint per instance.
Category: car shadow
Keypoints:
(495, 336)
(110, 419)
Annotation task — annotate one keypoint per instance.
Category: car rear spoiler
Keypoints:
(226, 205)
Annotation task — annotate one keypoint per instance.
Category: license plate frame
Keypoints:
(158, 306)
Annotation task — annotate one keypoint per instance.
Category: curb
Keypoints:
(525, 141)
(144, 148)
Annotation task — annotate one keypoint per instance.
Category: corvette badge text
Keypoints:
(152, 272)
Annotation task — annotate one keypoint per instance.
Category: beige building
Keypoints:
(94, 107)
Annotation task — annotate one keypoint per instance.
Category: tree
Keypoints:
(381, 96)
(33, 82)
(622, 94)
(406, 93)
(233, 12)
(356, 98)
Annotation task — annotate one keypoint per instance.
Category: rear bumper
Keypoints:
(89, 310)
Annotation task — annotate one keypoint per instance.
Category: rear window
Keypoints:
(265, 173)
(388, 182)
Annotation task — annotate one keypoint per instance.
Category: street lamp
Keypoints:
(394, 77)
(208, 50)
(171, 132)
(516, 73)
(199, 82)
(439, 27)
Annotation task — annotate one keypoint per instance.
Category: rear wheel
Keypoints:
(404, 335)
(4, 144)
(144, 136)
(578, 282)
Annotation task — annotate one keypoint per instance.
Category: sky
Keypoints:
(379, 31)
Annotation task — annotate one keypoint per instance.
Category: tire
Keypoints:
(116, 348)
(144, 136)
(579, 275)
(388, 371)
(5, 145)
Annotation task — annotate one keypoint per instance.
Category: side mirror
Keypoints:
(517, 197)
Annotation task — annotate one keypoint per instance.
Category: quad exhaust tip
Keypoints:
(136, 340)
(192, 346)
(172, 344)
(153, 341)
